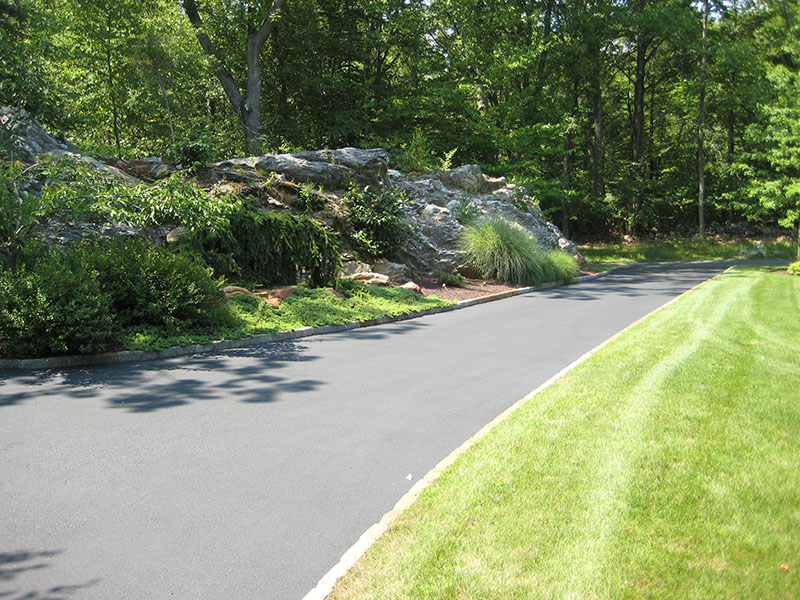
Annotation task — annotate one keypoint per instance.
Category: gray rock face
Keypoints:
(333, 169)
(438, 199)
(28, 137)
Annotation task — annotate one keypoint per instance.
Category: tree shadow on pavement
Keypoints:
(14, 565)
(251, 375)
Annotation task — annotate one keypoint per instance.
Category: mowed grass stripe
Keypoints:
(616, 465)
(665, 466)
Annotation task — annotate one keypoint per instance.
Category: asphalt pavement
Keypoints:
(247, 473)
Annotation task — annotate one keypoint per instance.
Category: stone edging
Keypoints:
(57, 362)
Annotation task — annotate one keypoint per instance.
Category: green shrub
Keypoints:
(453, 279)
(500, 250)
(269, 249)
(193, 153)
(794, 268)
(309, 199)
(57, 308)
(377, 220)
(560, 266)
(147, 285)
(79, 299)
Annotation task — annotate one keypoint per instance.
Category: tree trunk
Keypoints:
(639, 129)
(731, 131)
(112, 99)
(166, 104)
(568, 163)
(596, 99)
(246, 107)
(797, 227)
(11, 252)
(701, 164)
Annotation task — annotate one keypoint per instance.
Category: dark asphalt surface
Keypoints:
(246, 474)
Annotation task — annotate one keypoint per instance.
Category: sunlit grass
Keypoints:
(665, 466)
(246, 316)
(681, 250)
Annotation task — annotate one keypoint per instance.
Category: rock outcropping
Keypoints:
(437, 206)
(437, 202)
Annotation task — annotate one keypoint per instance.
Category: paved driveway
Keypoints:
(246, 474)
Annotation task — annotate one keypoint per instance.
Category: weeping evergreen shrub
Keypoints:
(269, 249)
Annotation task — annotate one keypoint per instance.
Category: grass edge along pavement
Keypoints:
(678, 484)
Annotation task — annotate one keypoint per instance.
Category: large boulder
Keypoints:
(332, 169)
(29, 140)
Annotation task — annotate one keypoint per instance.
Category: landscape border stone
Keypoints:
(126, 356)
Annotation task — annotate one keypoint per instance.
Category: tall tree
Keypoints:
(245, 105)
(701, 113)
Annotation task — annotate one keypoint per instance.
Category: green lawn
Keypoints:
(679, 250)
(665, 466)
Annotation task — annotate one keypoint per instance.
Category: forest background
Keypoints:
(619, 116)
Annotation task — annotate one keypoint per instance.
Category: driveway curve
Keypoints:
(247, 473)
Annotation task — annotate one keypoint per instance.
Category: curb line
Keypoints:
(371, 535)
(126, 356)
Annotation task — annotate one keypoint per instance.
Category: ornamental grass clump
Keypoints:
(502, 251)
(560, 266)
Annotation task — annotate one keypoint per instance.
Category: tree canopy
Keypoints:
(613, 113)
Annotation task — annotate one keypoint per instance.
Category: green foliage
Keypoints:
(147, 285)
(376, 217)
(680, 250)
(309, 199)
(173, 201)
(19, 210)
(794, 268)
(560, 266)
(466, 212)
(552, 101)
(57, 308)
(193, 153)
(269, 249)
(74, 190)
(503, 251)
(246, 316)
(453, 279)
(81, 298)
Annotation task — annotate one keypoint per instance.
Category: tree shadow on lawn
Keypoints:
(15, 564)
(250, 375)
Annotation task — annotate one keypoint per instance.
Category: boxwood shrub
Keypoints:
(79, 299)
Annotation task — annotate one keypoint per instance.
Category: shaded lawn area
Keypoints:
(665, 466)
(681, 250)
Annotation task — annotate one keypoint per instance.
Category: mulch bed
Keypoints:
(469, 289)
